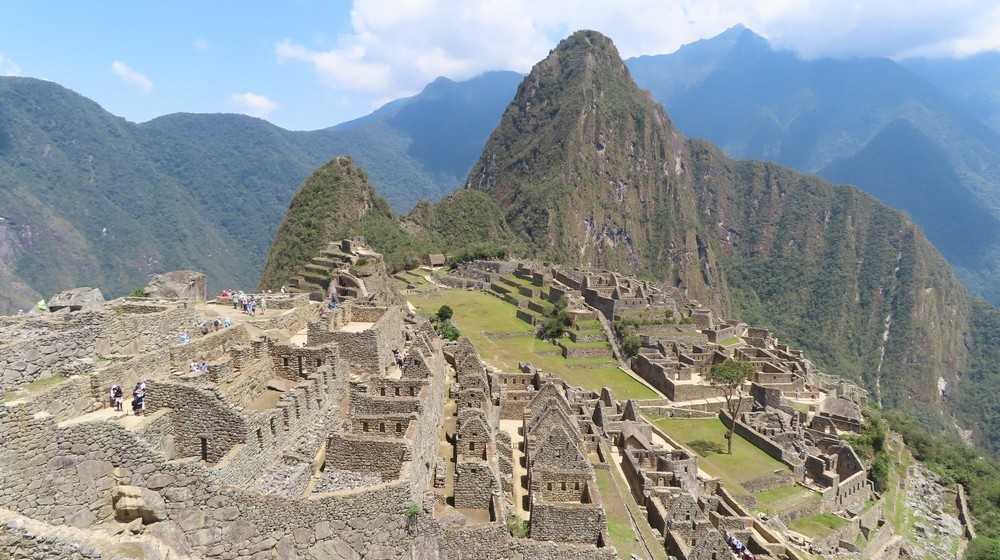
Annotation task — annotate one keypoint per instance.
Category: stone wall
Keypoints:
(45, 345)
(366, 454)
(203, 425)
(764, 443)
(475, 484)
(136, 329)
(566, 522)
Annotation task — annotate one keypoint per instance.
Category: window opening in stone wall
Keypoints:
(397, 391)
(472, 446)
(204, 449)
(382, 391)
(399, 427)
(381, 427)
(300, 367)
(413, 391)
(274, 431)
(550, 486)
(284, 361)
(284, 417)
(576, 486)
(364, 426)
(563, 486)
(319, 362)
(260, 439)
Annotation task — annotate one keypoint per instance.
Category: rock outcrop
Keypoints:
(77, 299)
(178, 284)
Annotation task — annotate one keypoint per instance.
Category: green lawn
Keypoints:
(477, 313)
(746, 463)
(784, 498)
(818, 526)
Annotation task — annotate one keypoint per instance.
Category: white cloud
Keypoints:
(395, 47)
(8, 67)
(131, 77)
(202, 44)
(253, 104)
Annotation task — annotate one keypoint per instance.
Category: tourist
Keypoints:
(137, 401)
(118, 398)
(262, 305)
(184, 338)
(111, 395)
(193, 366)
(217, 323)
(227, 323)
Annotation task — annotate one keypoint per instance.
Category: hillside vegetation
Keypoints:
(87, 198)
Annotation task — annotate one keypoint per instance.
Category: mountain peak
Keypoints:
(579, 154)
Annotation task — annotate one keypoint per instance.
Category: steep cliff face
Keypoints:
(588, 170)
(832, 269)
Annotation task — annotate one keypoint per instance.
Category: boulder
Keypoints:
(133, 502)
(186, 284)
(77, 299)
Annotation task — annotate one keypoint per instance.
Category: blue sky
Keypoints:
(308, 64)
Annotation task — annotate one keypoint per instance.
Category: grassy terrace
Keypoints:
(620, 530)
(746, 463)
(818, 526)
(477, 313)
(784, 498)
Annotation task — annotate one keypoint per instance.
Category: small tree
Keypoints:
(444, 313)
(557, 320)
(730, 376)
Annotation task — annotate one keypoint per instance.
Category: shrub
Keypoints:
(448, 330)
(517, 527)
(631, 345)
(138, 293)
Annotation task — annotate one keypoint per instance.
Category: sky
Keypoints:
(310, 64)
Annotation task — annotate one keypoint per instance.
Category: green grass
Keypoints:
(895, 498)
(784, 498)
(730, 341)
(620, 531)
(818, 526)
(619, 527)
(476, 313)
(746, 463)
(34, 387)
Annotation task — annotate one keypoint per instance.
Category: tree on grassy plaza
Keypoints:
(730, 376)
(557, 320)
(444, 313)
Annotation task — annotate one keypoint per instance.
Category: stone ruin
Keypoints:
(306, 438)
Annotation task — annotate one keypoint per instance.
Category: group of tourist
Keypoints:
(116, 397)
(248, 304)
(195, 366)
(739, 548)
